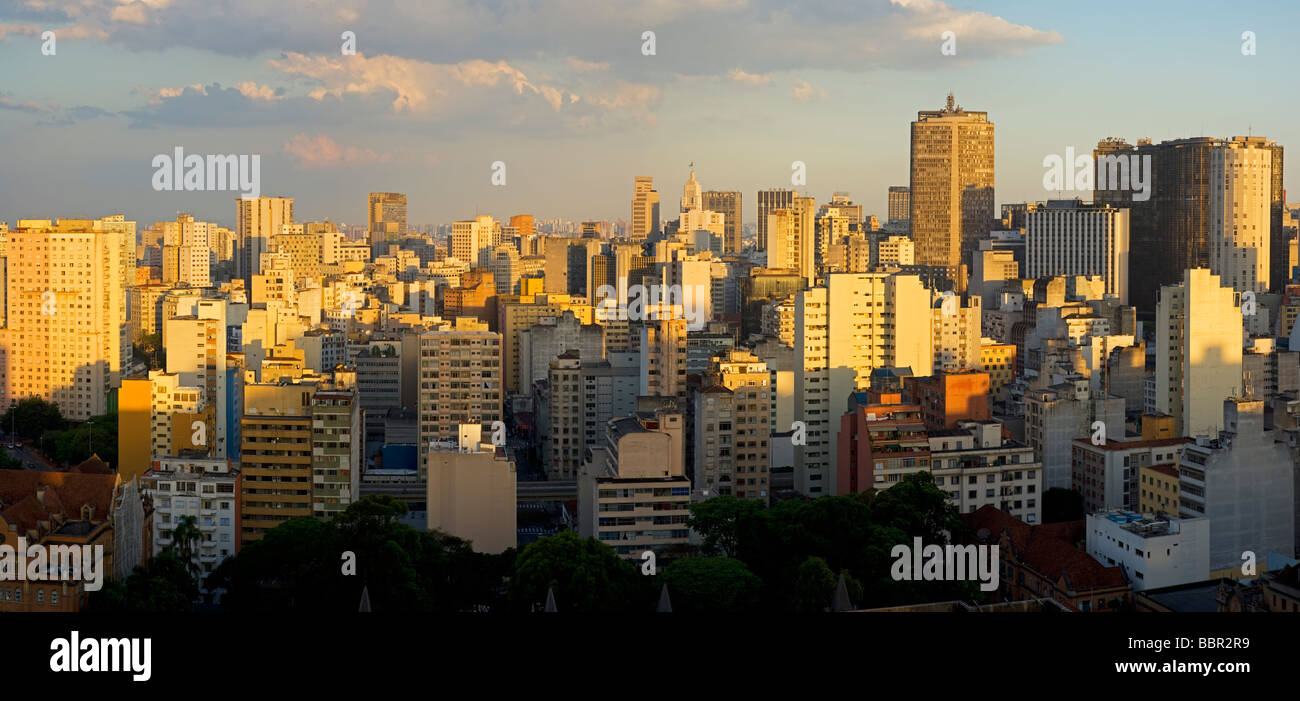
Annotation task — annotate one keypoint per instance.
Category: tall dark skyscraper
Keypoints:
(727, 202)
(1169, 231)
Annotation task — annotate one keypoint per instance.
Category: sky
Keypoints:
(563, 94)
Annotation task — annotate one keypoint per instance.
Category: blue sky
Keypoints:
(563, 95)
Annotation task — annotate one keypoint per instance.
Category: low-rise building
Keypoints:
(1153, 552)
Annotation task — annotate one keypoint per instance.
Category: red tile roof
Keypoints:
(1049, 549)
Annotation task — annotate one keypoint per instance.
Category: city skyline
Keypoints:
(429, 119)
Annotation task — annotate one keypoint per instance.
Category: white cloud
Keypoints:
(803, 91)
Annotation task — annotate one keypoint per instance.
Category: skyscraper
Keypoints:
(792, 238)
(951, 188)
(728, 203)
(1068, 237)
(386, 219)
(692, 197)
(768, 202)
(257, 220)
(1170, 222)
(1241, 174)
(645, 208)
(900, 203)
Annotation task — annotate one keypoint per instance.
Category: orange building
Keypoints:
(875, 438)
(946, 398)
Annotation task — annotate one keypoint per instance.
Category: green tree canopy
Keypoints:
(32, 416)
(587, 576)
(712, 585)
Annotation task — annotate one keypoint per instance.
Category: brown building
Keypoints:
(75, 508)
(889, 436)
(946, 398)
(1047, 561)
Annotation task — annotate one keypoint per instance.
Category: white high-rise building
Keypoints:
(472, 241)
(792, 239)
(196, 353)
(1198, 351)
(854, 324)
(1241, 176)
(1068, 237)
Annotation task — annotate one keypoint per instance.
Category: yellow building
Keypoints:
(999, 361)
(66, 339)
(276, 457)
(1158, 488)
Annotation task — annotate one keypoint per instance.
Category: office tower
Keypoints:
(792, 239)
(1244, 482)
(66, 324)
(460, 380)
(506, 269)
(1068, 237)
(257, 220)
(663, 358)
(852, 325)
(769, 201)
(951, 187)
(1170, 216)
(705, 230)
(900, 203)
(386, 221)
(472, 241)
(833, 227)
(639, 474)
(204, 488)
(196, 354)
(471, 491)
(738, 422)
(1241, 204)
(728, 203)
(1198, 352)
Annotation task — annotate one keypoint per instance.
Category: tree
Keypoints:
(1061, 504)
(712, 585)
(718, 519)
(161, 585)
(586, 575)
(33, 416)
(75, 445)
(814, 586)
(185, 540)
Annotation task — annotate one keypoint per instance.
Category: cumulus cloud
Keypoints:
(803, 91)
(320, 151)
(739, 76)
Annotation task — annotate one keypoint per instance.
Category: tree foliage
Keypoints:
(586, 575)
(712, 585)
(31, 417)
